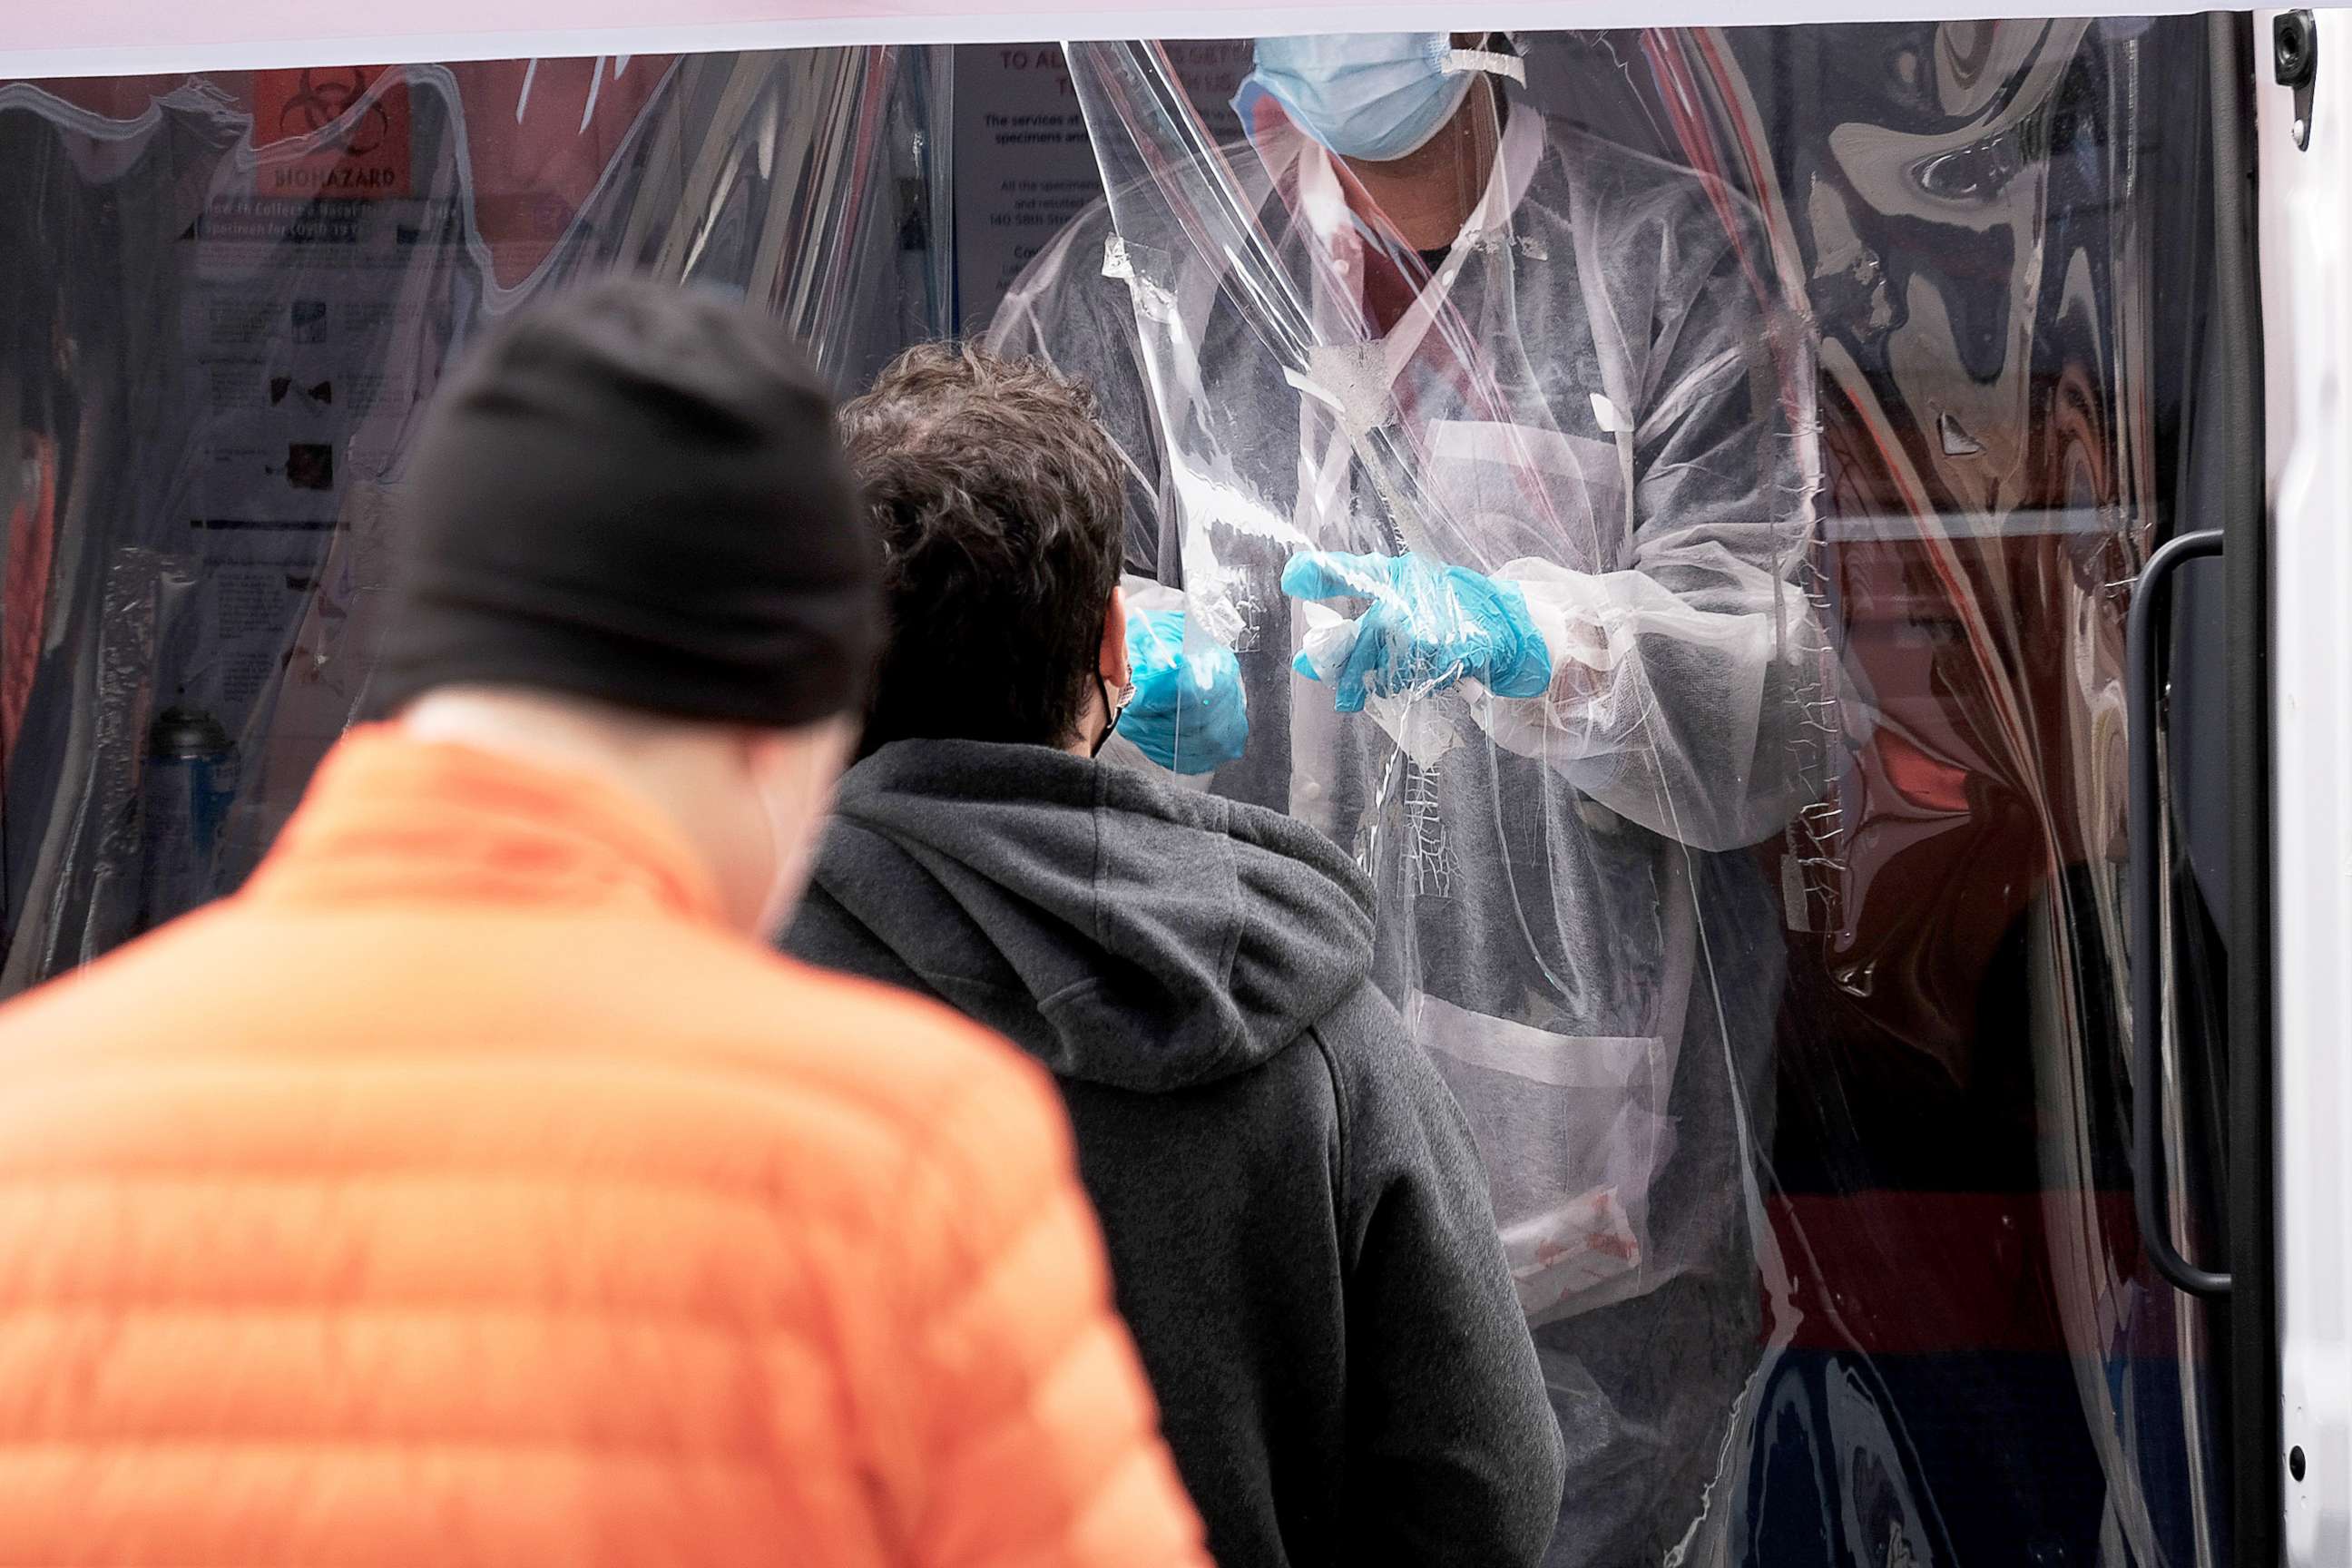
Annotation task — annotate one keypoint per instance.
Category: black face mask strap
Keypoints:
(1103, 686)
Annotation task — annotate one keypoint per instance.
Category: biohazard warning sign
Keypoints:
(331, 131)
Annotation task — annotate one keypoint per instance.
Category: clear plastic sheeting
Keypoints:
(1671, 513)
(1554, 375)
(1673, 520)
(227, 299)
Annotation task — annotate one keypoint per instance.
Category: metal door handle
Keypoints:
(2146, 841)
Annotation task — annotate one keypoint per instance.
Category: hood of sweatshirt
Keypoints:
(1121, 931)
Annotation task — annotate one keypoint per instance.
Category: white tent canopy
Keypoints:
(123, 37)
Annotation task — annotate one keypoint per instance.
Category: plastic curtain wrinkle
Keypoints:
(1813, 390)
(223, 302)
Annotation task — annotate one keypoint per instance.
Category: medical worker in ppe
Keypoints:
(1469, 506)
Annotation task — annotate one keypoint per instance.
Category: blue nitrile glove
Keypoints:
(1429, 626)
(1187, 713)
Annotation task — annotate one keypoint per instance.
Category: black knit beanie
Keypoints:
(634, 494)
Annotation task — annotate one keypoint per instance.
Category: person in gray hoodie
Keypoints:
(1300, 1234)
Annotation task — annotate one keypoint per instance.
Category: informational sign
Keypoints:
(1025, 164)
(288, 378)
(347, 140)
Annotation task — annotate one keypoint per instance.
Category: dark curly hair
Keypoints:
(999, 502)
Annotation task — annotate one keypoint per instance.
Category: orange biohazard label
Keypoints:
(331, 131)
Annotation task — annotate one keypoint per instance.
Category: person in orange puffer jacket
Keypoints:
(472, 1187)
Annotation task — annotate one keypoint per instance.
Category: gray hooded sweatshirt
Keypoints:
(1299, 1226)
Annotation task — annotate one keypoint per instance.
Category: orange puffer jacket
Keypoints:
(461, 1193)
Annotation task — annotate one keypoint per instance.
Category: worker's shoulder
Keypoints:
(1626, 186)
(1135, 227)
(1070, 273)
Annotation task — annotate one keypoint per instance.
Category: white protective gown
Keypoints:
(1585, 397)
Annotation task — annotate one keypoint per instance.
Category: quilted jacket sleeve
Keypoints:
(1042, 1441)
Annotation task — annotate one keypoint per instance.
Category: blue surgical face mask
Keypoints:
(1374, 96)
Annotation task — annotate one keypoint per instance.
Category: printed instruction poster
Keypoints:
(304, 333)
(1024, 165)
